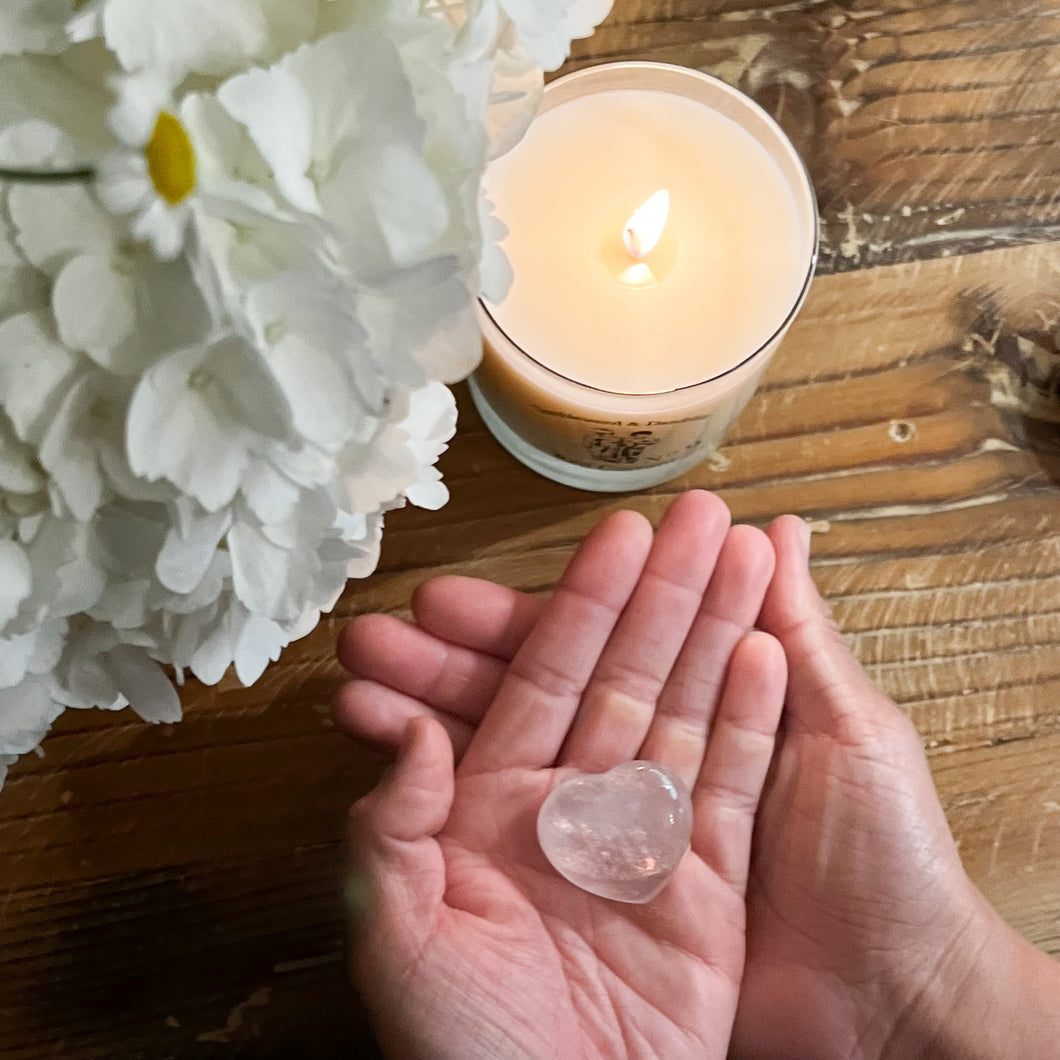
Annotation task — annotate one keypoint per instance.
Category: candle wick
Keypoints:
(632, 243)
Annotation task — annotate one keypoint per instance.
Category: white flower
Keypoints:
(68, 92)
(27, 711)
(399, 460)
(97, 670)
(105, 297)
(305, 324)
(34, 369)
(34, 25)
(277, 569)
(548, 26)
(67, 576)
(87, 20)
(154, 175)
(202, 426)
(236, 637)
(109, 298)
(205, 36)
(199, 414)
(16, 579)
(496, 72)
(316, 118)
(190, 545)
(22, 486)
(428, 425)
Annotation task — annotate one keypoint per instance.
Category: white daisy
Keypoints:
(153, 175)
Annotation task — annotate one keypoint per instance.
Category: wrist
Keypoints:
(992, 996)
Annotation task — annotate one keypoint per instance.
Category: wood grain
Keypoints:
(176, 891)
(929, 128)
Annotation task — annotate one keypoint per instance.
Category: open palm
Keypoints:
(468, 943)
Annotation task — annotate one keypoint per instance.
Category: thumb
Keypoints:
(413, 800)
(827, 689)
(398, 873)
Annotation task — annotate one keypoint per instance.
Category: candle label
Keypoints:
(598, 441)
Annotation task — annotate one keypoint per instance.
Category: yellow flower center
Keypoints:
(171, 160)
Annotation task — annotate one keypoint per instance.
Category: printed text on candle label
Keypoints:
(612, 448)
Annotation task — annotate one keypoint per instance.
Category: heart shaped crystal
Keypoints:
(618, 834)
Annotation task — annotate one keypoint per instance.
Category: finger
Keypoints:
(726, 793)
(397, 884)
(829, 692)
(529, 719)
(619, 703)
(477, 614)
(678, 734)
(413, 800)
(448, 677)
(379, 715)
(399, 873)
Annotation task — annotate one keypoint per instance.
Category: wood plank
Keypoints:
(939, 543)
(176, 890)
(928, 127)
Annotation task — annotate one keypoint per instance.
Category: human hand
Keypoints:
(860, 912)
(866, 938)
(468, 944)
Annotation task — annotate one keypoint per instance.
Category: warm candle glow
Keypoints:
(644, 229)
(637, 275)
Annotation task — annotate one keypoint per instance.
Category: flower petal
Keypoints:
(69, 446)
(189, 549)
(259, 644)
(187, 419)
(94, 306)
(143, 683)
(53, 224)
(34, 26)
(68, 91)
(26, 714)
(268, 579)
(16, 579)
(5, 762)
(18, 473)
(274, 107)
(33, 371)
(195, 35)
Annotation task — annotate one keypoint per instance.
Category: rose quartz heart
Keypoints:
(618, 834)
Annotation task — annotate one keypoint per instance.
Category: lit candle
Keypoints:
(662, 234)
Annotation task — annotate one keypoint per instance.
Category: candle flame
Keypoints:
(637, 275)
(644, 229)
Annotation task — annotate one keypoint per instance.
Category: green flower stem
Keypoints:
(38, 176)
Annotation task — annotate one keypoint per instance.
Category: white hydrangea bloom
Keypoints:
(222, 361)
(68, 92)
(34, 26)
(202, 36)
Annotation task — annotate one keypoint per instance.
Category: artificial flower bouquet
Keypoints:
(240, 248)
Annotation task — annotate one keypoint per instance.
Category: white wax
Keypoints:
(728, 271)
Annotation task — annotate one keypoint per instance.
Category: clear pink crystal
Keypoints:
(618, 834)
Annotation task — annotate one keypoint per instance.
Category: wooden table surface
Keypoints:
(175, 891)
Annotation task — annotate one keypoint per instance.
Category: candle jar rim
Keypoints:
(671, 71)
